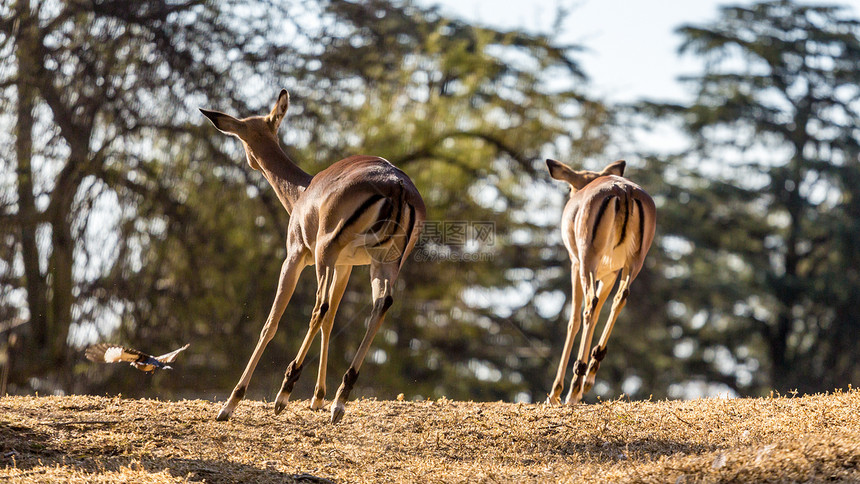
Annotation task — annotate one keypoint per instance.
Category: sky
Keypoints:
(631, 44)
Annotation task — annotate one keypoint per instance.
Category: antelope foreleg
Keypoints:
(599, 350)
(341, 278)
(590, 317)
(290, 271)
(325, 280)
(572, 329)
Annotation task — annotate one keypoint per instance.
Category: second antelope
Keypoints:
(607, 226)
(360, 210)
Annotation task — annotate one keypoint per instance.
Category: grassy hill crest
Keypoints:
(113, 439)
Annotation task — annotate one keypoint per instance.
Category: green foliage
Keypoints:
(124, 216)
(766, 272)
(175, 240)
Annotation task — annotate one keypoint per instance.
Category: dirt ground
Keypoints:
(101, 439)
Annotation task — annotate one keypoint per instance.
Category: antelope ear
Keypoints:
(224, 122)
(280, 109)
(616, 168)
(560, 171)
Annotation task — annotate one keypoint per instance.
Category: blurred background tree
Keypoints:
(98, 95)
(767, 273)
(126, 217)
(131, 220)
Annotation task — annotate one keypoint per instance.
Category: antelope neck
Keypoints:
(285, 177)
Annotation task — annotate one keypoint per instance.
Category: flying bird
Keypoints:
(108, 353)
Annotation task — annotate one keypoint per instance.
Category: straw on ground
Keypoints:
(100, 439)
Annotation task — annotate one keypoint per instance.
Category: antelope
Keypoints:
(360, 210)
(607, 226)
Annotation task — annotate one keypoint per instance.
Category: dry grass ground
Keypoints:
(97, 439)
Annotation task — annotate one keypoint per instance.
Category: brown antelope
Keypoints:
(360, 210)
(607, 226)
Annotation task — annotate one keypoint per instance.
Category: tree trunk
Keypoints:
(790, 290)
(28, 216)
(50, 295)
(62, 285)
(780, 369)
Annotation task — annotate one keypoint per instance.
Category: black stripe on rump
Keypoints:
(387, 219)
(641, 221)
(409, 227)
(391, 220)
(384, 216)
(358, 213)
(624, 226)
(600, 212)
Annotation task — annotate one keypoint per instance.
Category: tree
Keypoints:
(768, 266)
(160, 234)
(100, 95)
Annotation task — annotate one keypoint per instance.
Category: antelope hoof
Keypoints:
(553, 400)
(279, 407)
(337, 412)
(317, 403)
(281, 402)
(224, 414)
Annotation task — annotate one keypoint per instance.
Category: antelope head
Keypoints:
(579, 179)
(257, 133)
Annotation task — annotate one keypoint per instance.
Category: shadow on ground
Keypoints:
(30, 450)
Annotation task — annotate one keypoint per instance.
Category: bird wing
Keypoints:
(108, 353)
(170, 357)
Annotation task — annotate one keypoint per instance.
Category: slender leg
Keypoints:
(572, 329)
(383, 276)
(341, 278)
(590, 317)
(325, 284)
(290, 271)
(599, 351)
